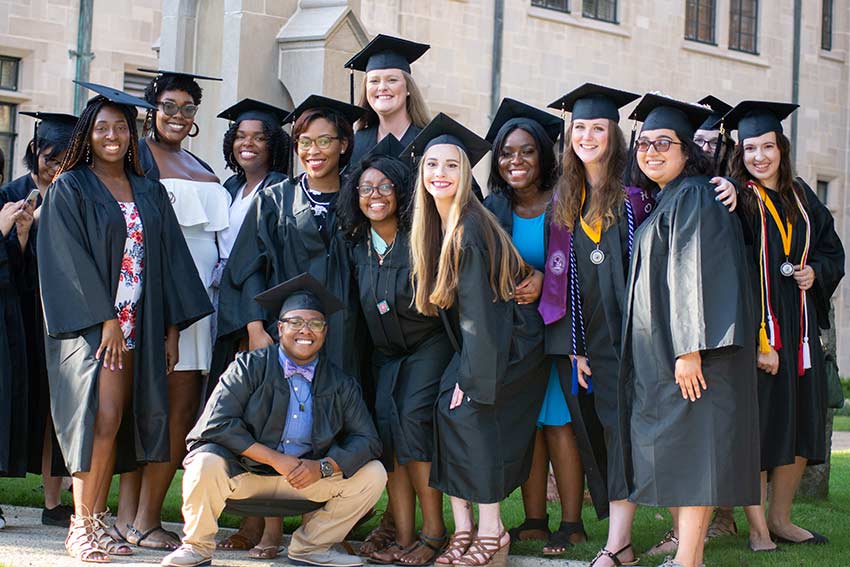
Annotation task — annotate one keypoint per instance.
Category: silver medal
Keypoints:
(786, 269)
(597, 256)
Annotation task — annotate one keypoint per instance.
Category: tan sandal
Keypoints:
(81, 542)
(486, 551)
(378, 539)
(457, 548)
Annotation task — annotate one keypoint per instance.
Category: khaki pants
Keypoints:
(206, 486)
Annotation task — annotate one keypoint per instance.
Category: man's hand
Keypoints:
(284, 464)
(305, 474)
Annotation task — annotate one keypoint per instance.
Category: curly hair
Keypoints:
(161, 84)
(343, 128)
(279, 145)
(353, 221)
(545, 148)
(698, 163)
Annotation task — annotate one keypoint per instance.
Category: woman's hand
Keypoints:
(689, 375)
(23, 220)
(172, 349)
(257, 336)
(769, 362)
(726, 192)
(805, 277)
(457, 397)
(529, 289)
(583, 369)
(112, 345)
(8, 216)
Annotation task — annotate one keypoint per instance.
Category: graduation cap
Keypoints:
(661, 112)
(444, 130)
(512, 113)
(718, 109)
(348, 111)
(389, 147)
(385, 52)
(301, 292)
(591, 101)
(52, 128)
(250, 109)
(115, 96)
(752, 118)
(163, 73)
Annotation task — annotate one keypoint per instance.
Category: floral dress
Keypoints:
(132, 269)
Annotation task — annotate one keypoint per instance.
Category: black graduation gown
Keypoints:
(235, 182)
(792, 408)
(249, 405)
(80, 249)
(148, 163)
(279, 240)
(14, 376)
(688, 290)
(38, 391)
(483, 448)
(366, 139)
(411, 352)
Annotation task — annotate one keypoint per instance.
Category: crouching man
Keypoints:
(284, 422)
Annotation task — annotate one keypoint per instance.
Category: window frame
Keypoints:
(596, 16)
(826, 22)
(554, 5)
(737, 46)
(826, 187)
(12, 134)
(697, 6)
(16, 61)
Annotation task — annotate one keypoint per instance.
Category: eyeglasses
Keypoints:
(171, 108)
(322, 142)
(385, 189)
(661, 145)
(702, 143)
(297, 323)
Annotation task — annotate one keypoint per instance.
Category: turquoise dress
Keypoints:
(529, 238)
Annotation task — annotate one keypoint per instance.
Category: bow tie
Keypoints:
(306, 371)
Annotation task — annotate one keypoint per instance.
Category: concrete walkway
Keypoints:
(840, 441)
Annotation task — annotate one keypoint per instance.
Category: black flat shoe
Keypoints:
(59, 516)
(816, 539)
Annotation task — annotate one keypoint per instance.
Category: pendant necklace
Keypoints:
(594, 233)
(383, 305)
(299, 400)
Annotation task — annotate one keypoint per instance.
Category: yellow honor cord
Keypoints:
(594, 233)
(786, 233)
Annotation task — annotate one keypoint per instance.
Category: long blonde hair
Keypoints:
(434, 258)
(417, 108)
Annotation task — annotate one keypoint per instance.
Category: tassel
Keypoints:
(807, 354)
(800, 369)
(574, 388)
(777, 340)
(351, 85)
(764, 343)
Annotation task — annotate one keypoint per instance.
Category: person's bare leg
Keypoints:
(674, 514)
(489, 527)
(251, 530)
(620, 520)
(693, 523)
(52, 484)
(785, 481)
(759, 533)
(403, 505)
(272, 533)
(534, 489)
(431, 503)
(569, 475)
(129, 485)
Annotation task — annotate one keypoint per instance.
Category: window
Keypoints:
(826, 26)
(699, 21)
(743, 25)
(9, 73)
(605, 10)
(135, 84)
(823, 191)
(559, 5)
(8, 113)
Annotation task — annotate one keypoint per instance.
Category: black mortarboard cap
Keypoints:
(591, 102)
(718, 109)
(164, 73)
(661, 112)
(250, 109)
(752, 118)
(349, 111)
(116, 96)
(52, 126)
(387, 52)
(513, 112)
(444, 130)
(389, 146)
(301, 292)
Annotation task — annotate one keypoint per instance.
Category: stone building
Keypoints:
(482, 50)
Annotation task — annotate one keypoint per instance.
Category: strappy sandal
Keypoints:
(457, 548)
(614, 557)
(136, 537)
(663, 546)
(486, 551)
(236, 542)
(114, 546)
(378, 539)
(559, 542)
(539, 525)
(81, 543)
(435, 545)
(721, 528)
(389, 554)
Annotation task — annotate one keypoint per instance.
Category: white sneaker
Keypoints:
(329, 558)
(185, 556)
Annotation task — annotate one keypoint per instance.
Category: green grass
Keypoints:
(831, 517)
(841, 423)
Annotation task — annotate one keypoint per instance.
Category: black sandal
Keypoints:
(435, 544)
(531, 525)
(816, 539)
(559, 542)
(615, 557)
(136, 537)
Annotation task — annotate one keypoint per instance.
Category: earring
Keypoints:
(88, 153)
(130, 154)
(197, 130)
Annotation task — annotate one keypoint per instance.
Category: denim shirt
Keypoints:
(296, 439)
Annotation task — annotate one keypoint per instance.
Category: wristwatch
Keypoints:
(326, 467)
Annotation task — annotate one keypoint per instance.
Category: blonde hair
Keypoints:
(434, 258)
(416, 107)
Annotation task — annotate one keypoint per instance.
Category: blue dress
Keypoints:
(529, 238)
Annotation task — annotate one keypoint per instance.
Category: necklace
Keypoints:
(383, 305)
(297, 399)
(594, 233)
